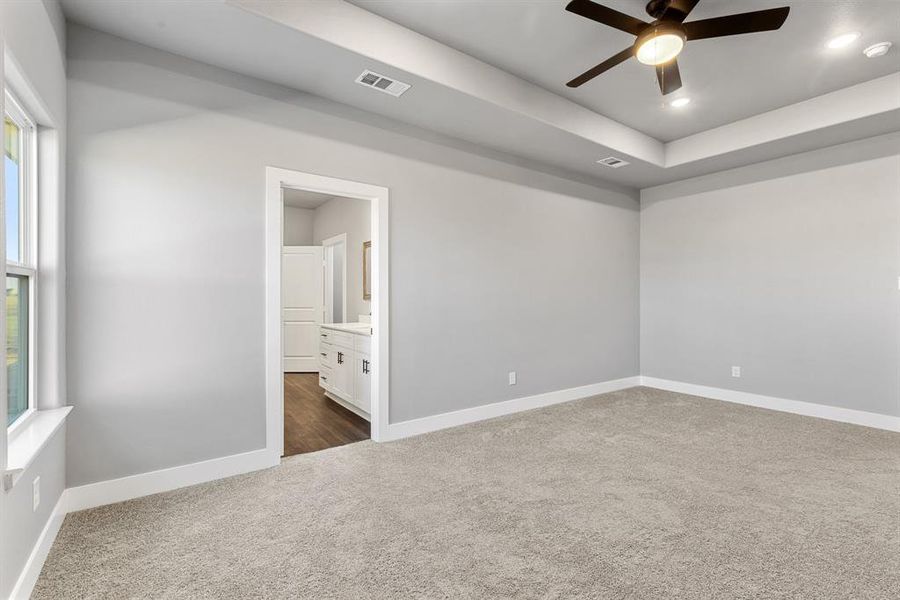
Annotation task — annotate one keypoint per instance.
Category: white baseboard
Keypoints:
(498, 409)
(809, 409)
(32, 569)
(144, 484)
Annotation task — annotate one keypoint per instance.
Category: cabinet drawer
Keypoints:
(326, 355)
(338, 338)
(325, 378)
(363, 344)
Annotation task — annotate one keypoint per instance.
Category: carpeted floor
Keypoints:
(635, 494)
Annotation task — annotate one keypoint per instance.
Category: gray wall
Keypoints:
(298, 226)
(21, 525)
(353, 217)
(793, 278)
(494, 267)
(32, 33)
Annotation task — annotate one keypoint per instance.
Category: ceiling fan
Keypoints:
(659, 43)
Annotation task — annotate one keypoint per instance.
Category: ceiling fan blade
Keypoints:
(669, 77)
(751, 22)
(678, 10)
(607, 64)
(607, 16)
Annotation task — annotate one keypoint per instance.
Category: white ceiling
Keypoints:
(727, 78)
(303, 199)
(321, 46)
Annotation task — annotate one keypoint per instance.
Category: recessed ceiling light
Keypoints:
(879, 49)
(679, 102)
(843, 40)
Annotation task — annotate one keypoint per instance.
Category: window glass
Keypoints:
(12, 163)
(16, 346)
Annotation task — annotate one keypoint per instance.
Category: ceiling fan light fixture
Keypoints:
(843, 40)
(659, 46)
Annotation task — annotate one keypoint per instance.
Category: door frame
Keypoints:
(334, 241)
(276, 178)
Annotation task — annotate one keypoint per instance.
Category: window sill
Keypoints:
(27, 441)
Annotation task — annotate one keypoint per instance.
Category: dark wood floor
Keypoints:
(312, 421)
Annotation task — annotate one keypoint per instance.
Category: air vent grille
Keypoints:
(612, 162)
(382, 83)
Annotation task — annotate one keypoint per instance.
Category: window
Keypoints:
(19, 206)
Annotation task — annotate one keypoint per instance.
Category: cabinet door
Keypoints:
(363, 382)
(342, 374)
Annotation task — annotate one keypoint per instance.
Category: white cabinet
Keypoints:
(345, 369)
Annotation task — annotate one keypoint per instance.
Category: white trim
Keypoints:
(26, 266)
(334, 241)
(26, 443)
(809, 409)
(21, 422)
(277, 178)
(498, 409)
(164, 480)
(32, 569)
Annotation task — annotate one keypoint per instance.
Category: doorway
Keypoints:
(325, 318)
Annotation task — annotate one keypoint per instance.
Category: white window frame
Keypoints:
(27, 265)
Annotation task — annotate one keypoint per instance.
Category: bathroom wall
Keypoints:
(353, 217)
(298, 226)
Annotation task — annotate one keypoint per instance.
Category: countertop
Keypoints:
(356, 328)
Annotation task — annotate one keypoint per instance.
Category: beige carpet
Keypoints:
(634, 494)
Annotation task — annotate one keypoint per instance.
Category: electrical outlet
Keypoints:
(735, 371)
(35, 493)
(512, 378)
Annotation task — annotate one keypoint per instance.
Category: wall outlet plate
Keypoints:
(512, 378)
(35, 493)
(735, 371)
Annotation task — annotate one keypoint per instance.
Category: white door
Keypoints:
(302, 307)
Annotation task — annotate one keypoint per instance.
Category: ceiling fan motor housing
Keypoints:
(657, 8)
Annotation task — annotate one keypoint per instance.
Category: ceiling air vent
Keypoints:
(612, 162)
(382, 83)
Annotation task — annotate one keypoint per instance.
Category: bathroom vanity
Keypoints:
(345, 365)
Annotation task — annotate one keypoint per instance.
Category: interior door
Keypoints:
(302, 307)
